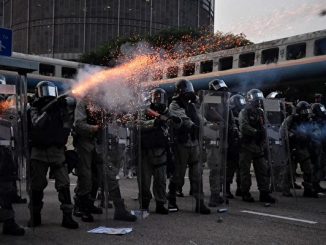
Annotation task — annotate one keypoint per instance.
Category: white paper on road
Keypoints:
(110, 231)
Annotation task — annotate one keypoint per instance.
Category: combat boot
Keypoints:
(246, 197)
(266, 197)
(67, 220)
(172, 205)
(160, 209)
(120, 212)
(215, 200)
(11, 228)
(201, 207)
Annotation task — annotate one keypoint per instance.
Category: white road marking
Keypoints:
(280, 217)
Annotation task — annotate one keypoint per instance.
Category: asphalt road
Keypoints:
(240, 225)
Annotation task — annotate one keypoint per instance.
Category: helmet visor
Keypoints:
(256, 96)
(305, 111)
(219, 85)
(158, 98)
(47, 91)
(189, 88)
(242, 101)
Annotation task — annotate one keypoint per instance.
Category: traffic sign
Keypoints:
(5, 42)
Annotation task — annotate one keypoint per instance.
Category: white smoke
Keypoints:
(124, 91)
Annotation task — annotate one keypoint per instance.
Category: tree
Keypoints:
(176, 43)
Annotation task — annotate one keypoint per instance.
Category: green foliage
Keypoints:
(176, 42)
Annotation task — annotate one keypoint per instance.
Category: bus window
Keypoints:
(189, 69)
(46, 70)
(296, 51)
(320, 47)
(68, 72)
(206, 66)
(172, 72)
(269, 55)
(246, 60)
(225, 63)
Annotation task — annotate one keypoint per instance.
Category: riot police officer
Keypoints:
(186, 146)
(8, 175)
(155, 130)
(252, 133)
(216, 178)
(89, 142)
(50, 127)
(237, 103)
(299, 132)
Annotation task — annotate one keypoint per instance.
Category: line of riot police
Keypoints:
(230, 133)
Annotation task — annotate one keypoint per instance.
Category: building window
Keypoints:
(172, 72)
(188, 69)
(246, 60)
(296, 51)
(206, 66)
(269, 56)
(320, 47)
(225, 63)
(46, 70)
(68, 72)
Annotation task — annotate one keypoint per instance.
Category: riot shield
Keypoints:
(277, 149)
(214, 108)
(113, 144)
(13, 129)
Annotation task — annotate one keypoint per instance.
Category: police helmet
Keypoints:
(303, 108)
(237, 101)
(254, 95)
(2, 79)
(217, 85)
(275, 95)
(46, 89)
(185, 90)
(318, 110)
(158, 99)
(184, 86)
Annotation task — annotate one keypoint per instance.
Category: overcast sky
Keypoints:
(263, 20)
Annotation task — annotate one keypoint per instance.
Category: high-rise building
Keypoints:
(67, 28)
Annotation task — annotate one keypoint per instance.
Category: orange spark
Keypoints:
(123, 72)
(5, 105)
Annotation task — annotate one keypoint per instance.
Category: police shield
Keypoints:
(214, 107)
(12, 127)
(111, 151)
(277, 152)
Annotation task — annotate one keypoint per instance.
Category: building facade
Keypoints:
(65, 29)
